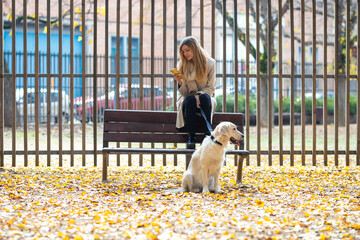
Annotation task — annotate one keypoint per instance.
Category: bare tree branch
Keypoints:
(241, 35)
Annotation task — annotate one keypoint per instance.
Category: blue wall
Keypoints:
(54, 42)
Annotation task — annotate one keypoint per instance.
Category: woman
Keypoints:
(196, 83)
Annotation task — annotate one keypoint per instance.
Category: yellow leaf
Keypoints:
(269, 210)
(71, 221)
(103, 11)
(307, 214)
(214, 224)
(45, 29)
(21, 225)
(79, 39)
(151, 236)
(277, 231)
(200, 220)
(9, 17)
(90, 42)
(155, 224)
(322, 236)
(76, 24)
(344, 196)
(328, 228)
(10, 34)
(96, 236)
(80, 28)
(32, 15)
(77, 10)
(245, 217)
(60, 234)
(188, 214)
(355, 226)
(77, 237)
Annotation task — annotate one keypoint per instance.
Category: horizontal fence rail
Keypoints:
(290, 66)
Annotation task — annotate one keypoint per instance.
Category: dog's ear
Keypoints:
(223, 129)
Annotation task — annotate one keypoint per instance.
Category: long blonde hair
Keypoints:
(199, 59)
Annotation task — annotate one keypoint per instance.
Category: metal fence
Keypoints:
(82, 79)
(123, 81)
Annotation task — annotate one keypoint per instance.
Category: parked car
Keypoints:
(54, 101)
(123, 101)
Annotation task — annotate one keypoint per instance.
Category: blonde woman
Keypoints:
(196, 85)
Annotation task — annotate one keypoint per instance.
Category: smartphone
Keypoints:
(175, 71)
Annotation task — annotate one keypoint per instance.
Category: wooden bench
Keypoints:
(158, 127)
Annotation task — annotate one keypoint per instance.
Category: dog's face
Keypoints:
(228, 132)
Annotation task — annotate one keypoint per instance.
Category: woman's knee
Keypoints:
(205, 100)
(189, 101)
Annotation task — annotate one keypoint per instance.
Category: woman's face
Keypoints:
(188, 52)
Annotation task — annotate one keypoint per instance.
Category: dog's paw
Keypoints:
(219, 191)
(205, 190)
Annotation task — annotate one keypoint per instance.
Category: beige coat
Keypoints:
(192, 87)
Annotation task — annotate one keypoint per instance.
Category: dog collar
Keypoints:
(215, 141)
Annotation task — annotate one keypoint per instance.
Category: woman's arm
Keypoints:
(209, 88)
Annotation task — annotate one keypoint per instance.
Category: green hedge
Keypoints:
(241, 103)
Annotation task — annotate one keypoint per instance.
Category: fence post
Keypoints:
(188, 17)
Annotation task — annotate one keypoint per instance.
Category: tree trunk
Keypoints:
(8, 100)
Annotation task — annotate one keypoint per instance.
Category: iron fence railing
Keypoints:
(64, 89)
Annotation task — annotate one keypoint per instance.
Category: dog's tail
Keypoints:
(176, 190)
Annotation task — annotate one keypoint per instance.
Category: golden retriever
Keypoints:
(205, 165)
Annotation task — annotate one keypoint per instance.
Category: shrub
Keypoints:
(241, 103)
(319, 103)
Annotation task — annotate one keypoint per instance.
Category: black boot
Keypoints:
(191, 142)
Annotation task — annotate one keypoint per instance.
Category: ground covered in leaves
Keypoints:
(279, 203)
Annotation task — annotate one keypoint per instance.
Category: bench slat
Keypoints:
(168, 117)
(139, 127)
(148, 137)
(139, 116)
(166, 151)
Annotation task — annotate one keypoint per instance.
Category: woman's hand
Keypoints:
(197, 101)
(178, 77)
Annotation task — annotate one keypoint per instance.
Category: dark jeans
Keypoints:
(190, 110)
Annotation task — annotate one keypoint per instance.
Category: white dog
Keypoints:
(205, 165)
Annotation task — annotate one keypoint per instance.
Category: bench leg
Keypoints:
(105, 165)
(188, 159)
(239, 170)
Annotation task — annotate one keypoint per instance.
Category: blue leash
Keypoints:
(209, 127)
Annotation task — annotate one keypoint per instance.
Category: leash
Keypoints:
(209, 127)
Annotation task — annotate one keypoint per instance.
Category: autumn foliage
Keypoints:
(277, 203)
